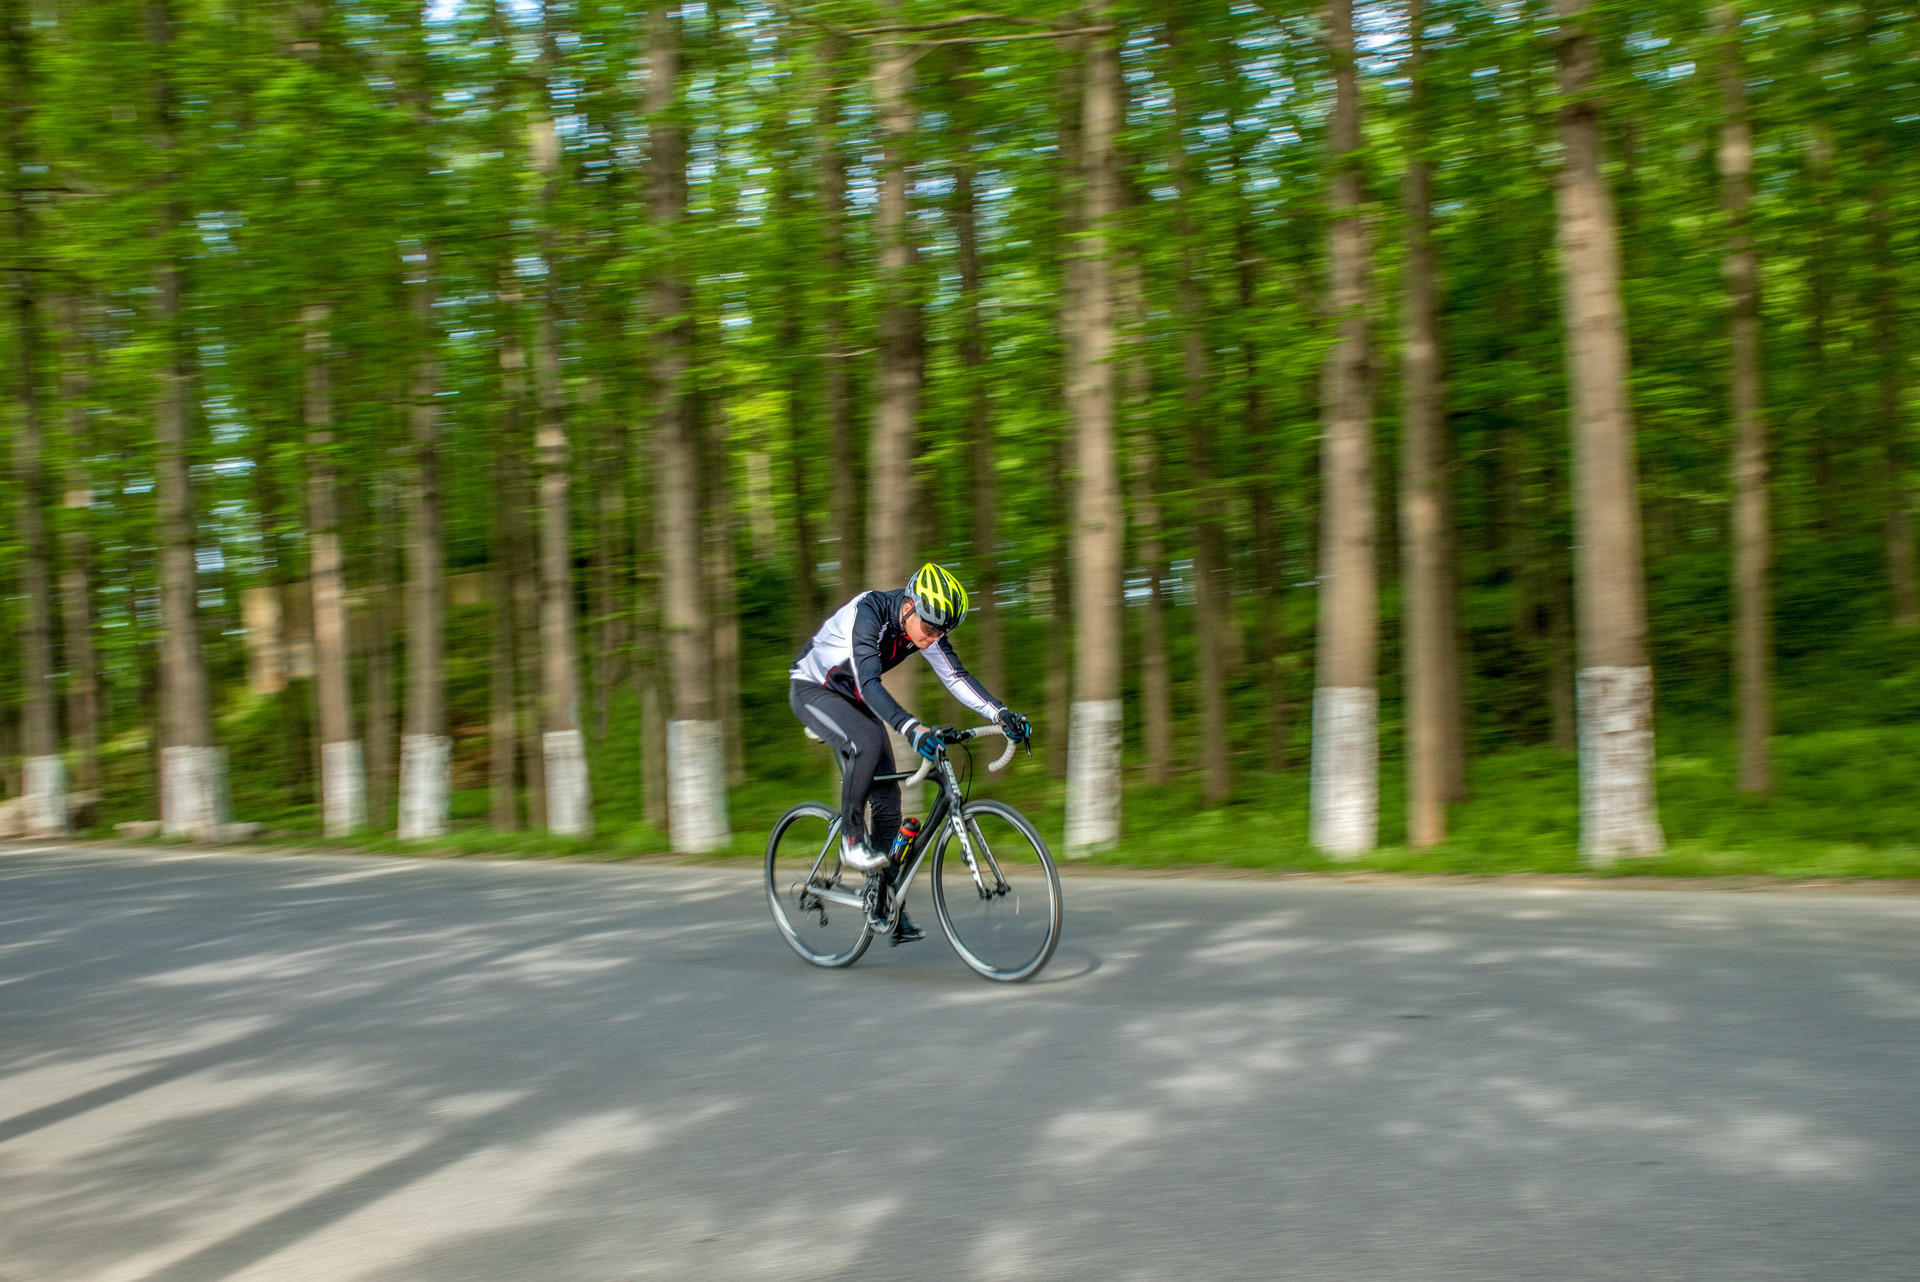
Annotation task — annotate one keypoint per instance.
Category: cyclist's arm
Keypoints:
(865, 644)
(955, 677)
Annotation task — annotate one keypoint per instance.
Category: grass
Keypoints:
(1847, 806)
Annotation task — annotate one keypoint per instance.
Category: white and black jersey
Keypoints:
(862, 640)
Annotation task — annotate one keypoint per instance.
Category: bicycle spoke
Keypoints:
(802, 861)
(1006, 925)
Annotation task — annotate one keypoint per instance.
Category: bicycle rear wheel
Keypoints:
(808, 890)
(1006, 923)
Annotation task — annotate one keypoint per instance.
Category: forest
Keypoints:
(1480, 430)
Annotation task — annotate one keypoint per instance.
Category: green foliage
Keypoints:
(384, 144)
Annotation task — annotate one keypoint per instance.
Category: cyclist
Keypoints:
(834, 688)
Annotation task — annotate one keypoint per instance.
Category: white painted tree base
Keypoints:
(343, 788)
(193, 792)
(696, 787)
(44, 797)
(423, 786)
(1093, 777)
(1344, 811)
(1619, 818)
(569, 791)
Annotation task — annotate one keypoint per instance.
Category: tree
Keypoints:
(696, 770)
(1753, 640)
(891, 541)
(1432, 662)
(1615, 679)
(1269, 620)
(1094, 739)
(343, 792)
(45, 770)
(425, 748)
(193, 785)
(1346, 780)
(791, 302)
(1209, 516)
(982, 458)
(343, 783)
(505, 537)
(1144, 517)
(569, 804)
(76, 547)
(836, 371)
(859, 323)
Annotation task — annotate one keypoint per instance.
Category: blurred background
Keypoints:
(428, 418)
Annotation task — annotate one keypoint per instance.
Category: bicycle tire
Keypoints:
(807, 929)
(977, 926)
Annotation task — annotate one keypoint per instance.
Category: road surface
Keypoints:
(268, 1067)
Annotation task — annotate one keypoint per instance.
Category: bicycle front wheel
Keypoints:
(1001, 907)
(815, 902)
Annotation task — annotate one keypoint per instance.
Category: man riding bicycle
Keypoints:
(834, 688)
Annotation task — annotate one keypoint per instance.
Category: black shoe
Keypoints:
(905, 932)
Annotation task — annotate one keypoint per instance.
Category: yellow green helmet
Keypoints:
(938, 598)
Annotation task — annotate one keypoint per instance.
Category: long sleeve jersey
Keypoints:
(864, 639)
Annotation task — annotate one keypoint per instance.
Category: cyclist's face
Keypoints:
(919, 633)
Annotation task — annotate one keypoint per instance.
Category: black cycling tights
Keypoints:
(861, 740)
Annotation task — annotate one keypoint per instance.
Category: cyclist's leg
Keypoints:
(875, 757)
(861, 740)
(884, 797)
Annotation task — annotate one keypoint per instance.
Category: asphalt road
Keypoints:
(287, 1068)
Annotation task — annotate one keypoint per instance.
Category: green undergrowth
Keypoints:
(1846, 805)
(1846, 801)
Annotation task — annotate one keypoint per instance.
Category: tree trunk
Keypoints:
(528, 651)
(890, 494)
(1615, 681)
(193, 791)
(343, 780)
(722, 550)
(1143, 479)
(806, 552)
(890, 549)
(1820, 303)
(377, 641)
(806, 536)
(425, 749)
(696, 772)
(502, 699)
(648, 660)
(1211, 601)
(1346, 766)
(506, 534)
(564, 750)
(520, 714)
(1889, 359)
(76, 545)
(1753, 641)
(1269, 619)
(43, 769)
(609, 508)
(836, 372)
(1428, 647)
(1094, 735)
(983, 484)
(793, 305)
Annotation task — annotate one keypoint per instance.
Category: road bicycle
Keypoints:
(995, 889)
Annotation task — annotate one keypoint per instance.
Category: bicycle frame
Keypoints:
(946, 811)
